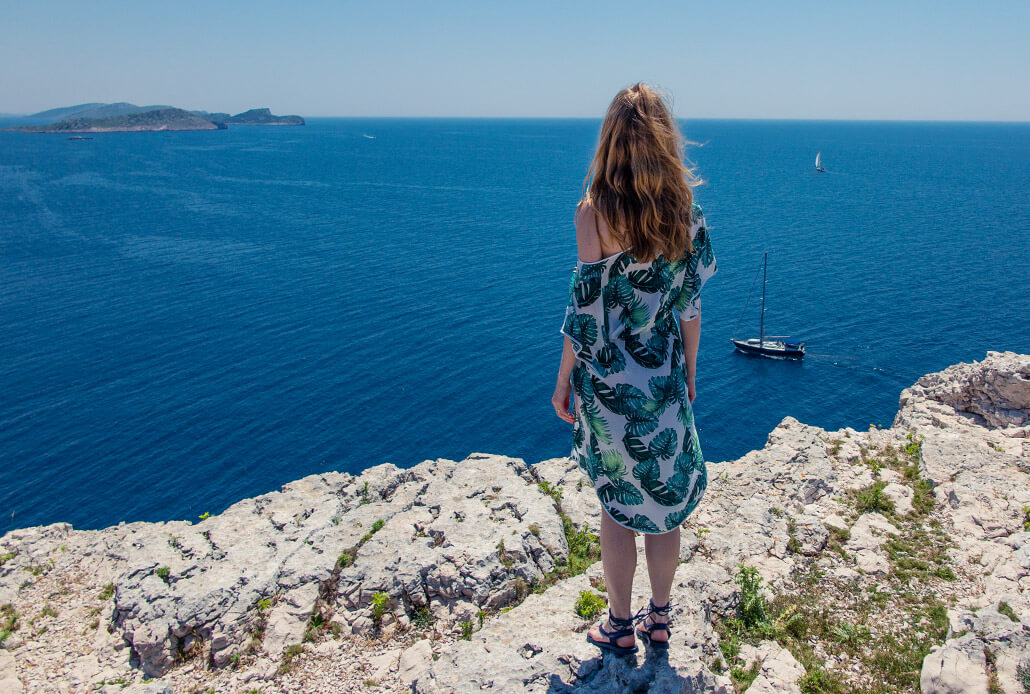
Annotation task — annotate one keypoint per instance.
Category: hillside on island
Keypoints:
(263, 116)
(125, 117)
(879, 560)
(93, 110)
(164, 119)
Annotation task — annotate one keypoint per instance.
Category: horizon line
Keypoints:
(998, 121)
(692, 118)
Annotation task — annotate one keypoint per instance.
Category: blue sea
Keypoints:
(189, 319)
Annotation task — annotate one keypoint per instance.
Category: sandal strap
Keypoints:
(626, 625)
(613, 635)
(657, 625)
(665, 609)
(619, 621)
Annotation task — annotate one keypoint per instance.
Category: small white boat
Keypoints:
(819, 162)
(370, 137)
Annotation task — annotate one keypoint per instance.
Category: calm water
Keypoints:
(189, 319)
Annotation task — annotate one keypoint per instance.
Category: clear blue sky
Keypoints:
(902, 59)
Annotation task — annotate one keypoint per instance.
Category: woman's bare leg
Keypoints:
(619, 558)
(663, 555)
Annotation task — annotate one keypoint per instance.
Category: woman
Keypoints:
(632, 327)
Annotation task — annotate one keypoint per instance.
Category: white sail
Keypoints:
(817, 159)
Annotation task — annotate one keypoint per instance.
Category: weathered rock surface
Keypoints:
(227, 602)
(993, 393)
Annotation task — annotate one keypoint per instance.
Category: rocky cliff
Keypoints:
(882, 560)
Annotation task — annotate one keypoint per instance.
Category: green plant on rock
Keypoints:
(106, 592)
(1026, 518)
(551, 491)
(914, 447)
(701, 534)
(584, 547)
(422, 617)
(503, 556)
(349, 555)
(8, 621)
(380, 601)
(872, 499)
(162, 573)
(820, 681)
(751, 610)
(376, 527)
(793, 544)
(730, 647)
(365, 497)
(466, 630)
(291, 652)
(743, 678)
(850, 634)
(521, 588)
(205, 515)
(1023, 675)
(589, 605)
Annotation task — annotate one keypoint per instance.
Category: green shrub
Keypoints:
(380, 600)
(752, 610)
(872, 498)
(589, 605)
(422, 617)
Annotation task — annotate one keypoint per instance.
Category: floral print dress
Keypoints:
(634, 432)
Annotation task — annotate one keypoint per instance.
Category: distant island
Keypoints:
(260, 116)
(125, 117)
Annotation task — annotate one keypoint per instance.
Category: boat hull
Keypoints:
(776, 350)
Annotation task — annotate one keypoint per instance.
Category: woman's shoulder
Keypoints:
(588, 242)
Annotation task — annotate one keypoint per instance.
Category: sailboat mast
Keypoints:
(761, 324)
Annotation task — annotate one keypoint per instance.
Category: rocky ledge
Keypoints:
(883, 560)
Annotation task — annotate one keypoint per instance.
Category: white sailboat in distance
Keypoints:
(818, 162)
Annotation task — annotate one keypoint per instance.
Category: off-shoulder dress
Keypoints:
(634, 433)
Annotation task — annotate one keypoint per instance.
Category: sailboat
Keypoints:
(818, 162)
(767, 345)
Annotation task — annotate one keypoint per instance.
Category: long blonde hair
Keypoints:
(638, 180)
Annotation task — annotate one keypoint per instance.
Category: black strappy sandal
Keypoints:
(645, 633)
(624, 628)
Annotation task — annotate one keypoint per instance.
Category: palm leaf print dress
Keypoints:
(634, 432)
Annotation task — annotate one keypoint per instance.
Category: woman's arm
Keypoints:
(588, 246)
(568, 360)
(563, 389)
(691, 331)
